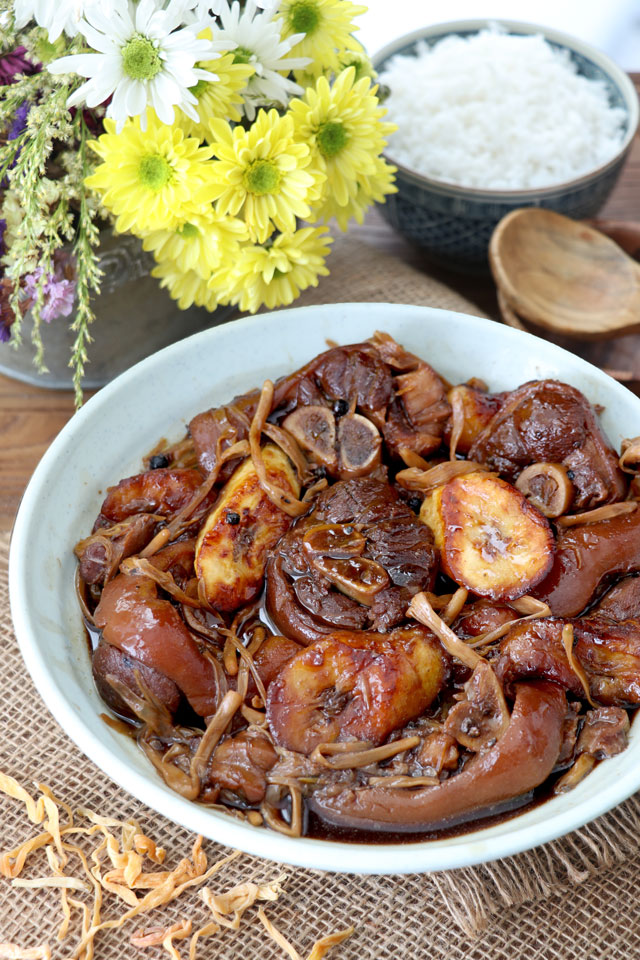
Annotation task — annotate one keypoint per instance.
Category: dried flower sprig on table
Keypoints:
(225, 135)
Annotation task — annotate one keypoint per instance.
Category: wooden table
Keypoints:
(30, 417)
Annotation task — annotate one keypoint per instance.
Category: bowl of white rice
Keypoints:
(495, 115)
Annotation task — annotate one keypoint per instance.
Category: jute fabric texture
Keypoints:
(573, 899)
(361, 273)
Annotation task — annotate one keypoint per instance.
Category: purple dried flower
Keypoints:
(59, 296)
(59, 291)
(14, 62)
(31, 284)
(19, 120)
(16, 128)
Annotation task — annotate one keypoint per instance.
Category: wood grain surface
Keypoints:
(30, 417)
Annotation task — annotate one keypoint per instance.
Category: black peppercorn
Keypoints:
(415, 503)
(340, 407)
(232, 518)
(158, 461)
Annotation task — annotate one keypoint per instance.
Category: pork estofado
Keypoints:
(363, 596)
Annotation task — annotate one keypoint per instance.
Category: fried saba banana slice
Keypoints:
(242, 528)
(491, 539)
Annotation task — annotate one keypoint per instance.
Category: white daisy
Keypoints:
(55, 16)
(258, 41)
(204, 8)
(147, 57)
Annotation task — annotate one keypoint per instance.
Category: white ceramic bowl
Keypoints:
(106, 440)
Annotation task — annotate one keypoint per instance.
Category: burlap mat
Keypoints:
(573, 898)
(362, 273)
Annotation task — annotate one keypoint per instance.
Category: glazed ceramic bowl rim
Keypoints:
(615, 73)
(40, 618)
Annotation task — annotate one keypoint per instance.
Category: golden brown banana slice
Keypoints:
(491, 539)
(244, 525)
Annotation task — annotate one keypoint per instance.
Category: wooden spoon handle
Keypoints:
(626, 235)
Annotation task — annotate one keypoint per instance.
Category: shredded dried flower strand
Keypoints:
(345, 760)
(125, 857)
(576, 772)
(246, 655)
(228, 908)
(156, 936)
(455, 605)
(163, 578)
(11, 951)
(272, 815)
(189, 784)
(290, 447)
(424, 481)
(164, 936)
(284, 500)
(534, 610)
(608, 512)
(320, 947)
(412, 459)
(167, 886)
(457, 421)
(403, 782)
(422, 611)
(630, 456)
(574, 663)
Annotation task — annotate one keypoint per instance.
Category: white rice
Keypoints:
(498, 111)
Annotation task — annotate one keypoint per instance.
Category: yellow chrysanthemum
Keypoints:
(148, 177)
(217, 98)
(346, 58)
(200, 244)
(187, 287)
(274, 274)
(359, 60)
(369, 189)
(261, 174)
(343, 125)
(327, 26)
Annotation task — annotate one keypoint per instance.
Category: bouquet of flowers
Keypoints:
(225, 135)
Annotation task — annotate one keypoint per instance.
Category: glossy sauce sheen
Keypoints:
(586, 554)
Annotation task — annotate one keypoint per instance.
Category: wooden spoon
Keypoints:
(565, 276)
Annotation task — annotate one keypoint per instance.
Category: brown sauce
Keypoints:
(318, 829)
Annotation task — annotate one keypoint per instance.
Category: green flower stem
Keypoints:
(88, 272)
(10, 150)
(54, 210)
(50, 123)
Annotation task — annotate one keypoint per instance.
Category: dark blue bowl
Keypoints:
(453, 224)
